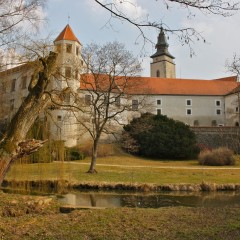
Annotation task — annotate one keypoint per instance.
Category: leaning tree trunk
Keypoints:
(13, 144)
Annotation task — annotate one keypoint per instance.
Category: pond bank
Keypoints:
(61, 185)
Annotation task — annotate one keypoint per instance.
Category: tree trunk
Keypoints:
(33, 105)
(94, 157)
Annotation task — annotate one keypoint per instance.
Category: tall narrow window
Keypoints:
(24, 82)
(77, 50)
(87, 99)
(158, 73)
(69, 48)
(68, 72)
(13, 87)
(159, 102)
(134, 105)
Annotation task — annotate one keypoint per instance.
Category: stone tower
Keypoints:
(63, 123)
(70, 59)
(162, 65)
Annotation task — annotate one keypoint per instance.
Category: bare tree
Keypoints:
(18, 19)
(233, 66)
(186, 35)
(106, 91)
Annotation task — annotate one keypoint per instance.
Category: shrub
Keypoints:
(104, 149)
(160, 137)
(74, 153)
(217, 157)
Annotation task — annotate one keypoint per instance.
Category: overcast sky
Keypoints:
(90, 24)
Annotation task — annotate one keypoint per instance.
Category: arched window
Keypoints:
(158, 73)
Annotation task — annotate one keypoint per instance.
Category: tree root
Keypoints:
(92, 171)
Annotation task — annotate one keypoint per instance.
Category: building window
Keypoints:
(59, 118)
(24, 82)
(117, 101)
(159, 111)
(77, 50)
(218, 103)
(87, 99)
(68, 72)
(134, 105)
(158, 73)
(13, 87)
(218, 111)
(11, 104)
(236, 124)
(69, 48)
(159, 102)
(189, 102)
(189, 111)
(237, 109)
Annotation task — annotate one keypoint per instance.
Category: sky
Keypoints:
(90, 23)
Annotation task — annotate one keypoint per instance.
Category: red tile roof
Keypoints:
(168, 86)
(67, 34)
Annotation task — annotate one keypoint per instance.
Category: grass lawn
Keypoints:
(127, 169)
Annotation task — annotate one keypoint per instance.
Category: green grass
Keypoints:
(129, 170)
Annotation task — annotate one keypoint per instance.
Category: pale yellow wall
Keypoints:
(165, 65)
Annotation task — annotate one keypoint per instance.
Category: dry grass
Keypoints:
(121, 223)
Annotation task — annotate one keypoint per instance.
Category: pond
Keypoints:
(151, 200)
(113, 199)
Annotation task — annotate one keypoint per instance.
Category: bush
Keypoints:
(159, 137)
(217, 157)
(74, 153)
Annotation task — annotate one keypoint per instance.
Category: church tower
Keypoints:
(162, 65)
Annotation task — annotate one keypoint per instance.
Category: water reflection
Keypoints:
(156, 200)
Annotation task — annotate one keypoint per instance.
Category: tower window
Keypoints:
(134, 105)
(59, 118)
(77, 50)
(13, 85)
(24, 82)
(159, 102)
(87, 99)
(69, 48)
(158, 73)
(68, 72)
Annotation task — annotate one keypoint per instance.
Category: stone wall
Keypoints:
(214, 137)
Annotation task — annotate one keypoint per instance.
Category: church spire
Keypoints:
(162, 46)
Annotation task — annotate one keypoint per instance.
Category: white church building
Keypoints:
(195, 102)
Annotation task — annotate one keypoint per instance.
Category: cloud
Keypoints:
(129, 8)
